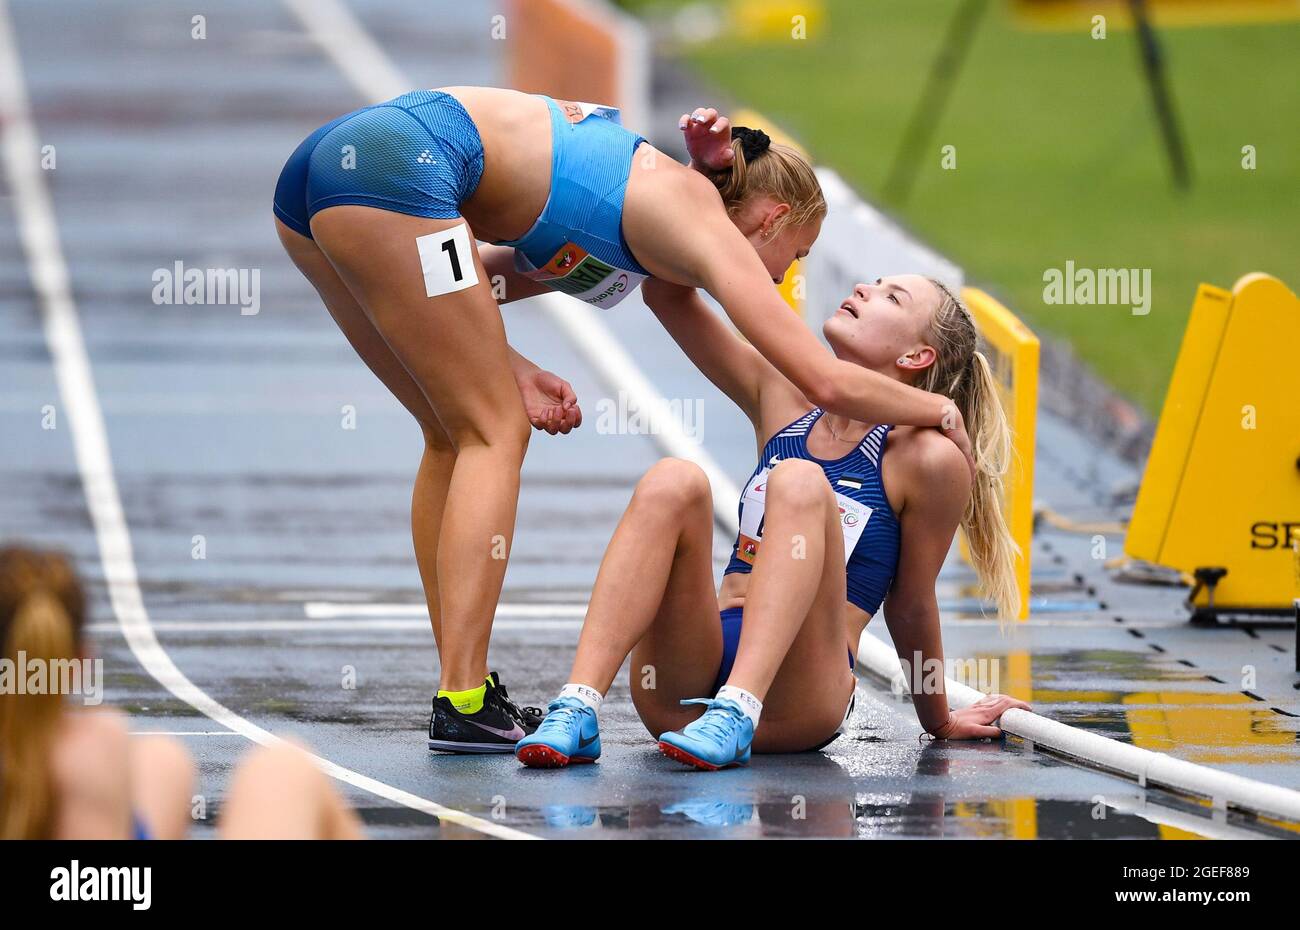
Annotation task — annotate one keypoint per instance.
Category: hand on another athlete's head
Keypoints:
(708, 139)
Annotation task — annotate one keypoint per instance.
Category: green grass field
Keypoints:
(1058, 156)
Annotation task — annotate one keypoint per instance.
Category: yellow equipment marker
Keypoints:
(1222, 484)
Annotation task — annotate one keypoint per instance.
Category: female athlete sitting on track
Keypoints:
(380, 210)
(843, 512)
(77, 773)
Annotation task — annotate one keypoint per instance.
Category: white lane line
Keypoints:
(367, 624)
(324, 610)
(616, 367)
(376, 78)
(186, 733)
(345, 623)
(49, 274)
(342, 37)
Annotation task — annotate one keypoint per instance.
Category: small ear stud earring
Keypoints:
(902, 360)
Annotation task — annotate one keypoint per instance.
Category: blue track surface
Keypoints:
(228, 426)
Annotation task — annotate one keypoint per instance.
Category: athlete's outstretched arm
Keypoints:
(928, 522)
(680, 232)
(734, 366)
(938, 486)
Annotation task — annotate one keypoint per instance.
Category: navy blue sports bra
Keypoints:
(871, 531)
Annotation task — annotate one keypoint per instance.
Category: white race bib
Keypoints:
(575, 111)
(853, 519)
(447, 260)
(573, 271)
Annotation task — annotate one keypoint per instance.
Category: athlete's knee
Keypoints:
(673, 486)
(436, 439)
(797, 484)
(507, 434)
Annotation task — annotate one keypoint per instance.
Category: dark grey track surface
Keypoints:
(228, 426)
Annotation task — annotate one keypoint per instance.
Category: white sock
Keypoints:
(751, 705)
(589, 696)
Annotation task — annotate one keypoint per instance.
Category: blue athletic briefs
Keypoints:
(418, 154)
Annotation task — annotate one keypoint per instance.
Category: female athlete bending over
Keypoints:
(843, 512)
(380, 210)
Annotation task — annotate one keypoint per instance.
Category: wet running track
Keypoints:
(259, 442)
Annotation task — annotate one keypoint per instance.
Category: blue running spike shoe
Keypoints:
(567, 734)
(718, 740)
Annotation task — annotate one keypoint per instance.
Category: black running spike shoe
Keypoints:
(491, 729)
(530, 718)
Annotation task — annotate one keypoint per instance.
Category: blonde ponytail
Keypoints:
(964, 374)
(41, 612)
(992, 549)
(763, 167)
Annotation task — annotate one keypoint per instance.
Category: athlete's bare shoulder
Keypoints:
(674, 219)
(926, 449)
(667, 175)
(921, 460)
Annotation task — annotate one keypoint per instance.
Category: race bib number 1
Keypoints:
(447, 260)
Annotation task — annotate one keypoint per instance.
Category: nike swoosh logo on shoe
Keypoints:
(515, 733)
(583, 743)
